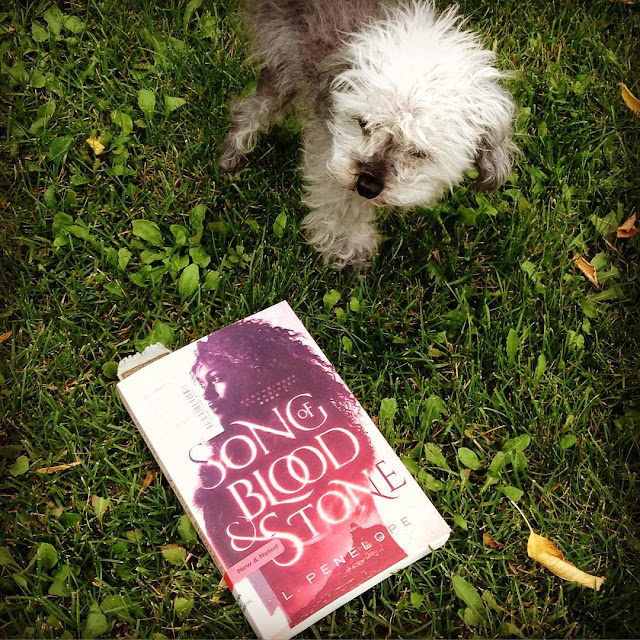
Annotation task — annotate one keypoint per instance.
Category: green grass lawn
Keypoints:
(513, 376)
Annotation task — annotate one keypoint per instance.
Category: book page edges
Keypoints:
(133, 363)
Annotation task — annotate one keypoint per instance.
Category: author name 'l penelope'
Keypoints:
(354, 556)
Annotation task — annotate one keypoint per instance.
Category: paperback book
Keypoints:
(296, 494)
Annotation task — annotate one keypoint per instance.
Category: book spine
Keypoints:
(173, 486)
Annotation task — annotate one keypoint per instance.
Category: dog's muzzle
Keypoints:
(368, 185)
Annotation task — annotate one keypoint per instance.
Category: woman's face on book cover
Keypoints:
(213, 383)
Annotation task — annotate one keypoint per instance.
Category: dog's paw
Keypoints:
(345, 254)
(231, 163)
(341, 248)
(359, 261)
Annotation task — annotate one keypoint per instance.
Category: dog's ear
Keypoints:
(493, 161)
(496, 149)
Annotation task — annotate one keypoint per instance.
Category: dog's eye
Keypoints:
(419, 153)
(362, 123)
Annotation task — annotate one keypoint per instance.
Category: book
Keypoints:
(294, 491)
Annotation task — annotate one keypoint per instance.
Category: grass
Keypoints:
(473, 318)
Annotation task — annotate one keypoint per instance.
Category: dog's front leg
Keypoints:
(340, 225)
(250, 117)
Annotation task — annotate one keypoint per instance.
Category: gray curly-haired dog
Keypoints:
(396, 101)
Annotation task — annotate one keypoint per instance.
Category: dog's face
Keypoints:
(417, 105)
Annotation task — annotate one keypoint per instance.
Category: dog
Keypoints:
(397, 104)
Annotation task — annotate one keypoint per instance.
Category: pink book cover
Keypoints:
(296, 494)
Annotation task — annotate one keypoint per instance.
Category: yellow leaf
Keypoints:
(59, 467)
(628, 228)
(587, 269)
(96, 145)
(632, 102)
(549, 556)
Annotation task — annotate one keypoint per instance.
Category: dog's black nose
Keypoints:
(368, 185)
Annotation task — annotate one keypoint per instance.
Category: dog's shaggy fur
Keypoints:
(397, 104)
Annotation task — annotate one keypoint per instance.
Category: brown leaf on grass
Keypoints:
(148, 479)
(490, 541)
(100, 505)
(632, 102)
(174, 554)
(96, 145)
(5, 336)
(59, 467)
(587, 269)
(627, 229)
(542, 550)
(549, 556)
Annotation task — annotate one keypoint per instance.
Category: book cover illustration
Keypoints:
(296, 494)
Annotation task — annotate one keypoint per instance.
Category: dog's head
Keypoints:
(415, 102)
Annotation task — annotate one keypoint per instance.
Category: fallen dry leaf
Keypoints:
(587, 268)
(56, 512)
(148, 479)
(434, 352)
(627, 229)
(5, 336)
(632, 102)
(548, 555)
(60, 467)
(96, 145)
(100, 505)
(490, 541)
